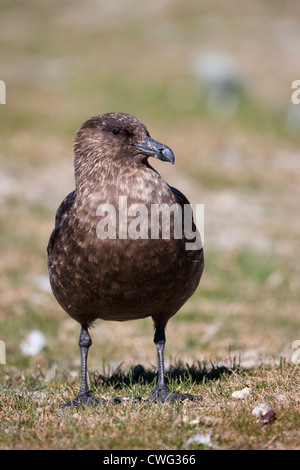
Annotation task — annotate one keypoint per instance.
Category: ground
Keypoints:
(64, 63)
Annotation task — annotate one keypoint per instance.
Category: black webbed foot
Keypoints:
(85, 398)
(163, 395)
(88, 399)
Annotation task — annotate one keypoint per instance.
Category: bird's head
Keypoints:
(119, 138)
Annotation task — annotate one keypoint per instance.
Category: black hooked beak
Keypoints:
(155, 149)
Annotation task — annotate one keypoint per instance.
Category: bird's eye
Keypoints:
(115, 131)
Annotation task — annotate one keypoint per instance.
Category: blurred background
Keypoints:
(212, 80)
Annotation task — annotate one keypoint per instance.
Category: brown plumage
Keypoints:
(119, 278)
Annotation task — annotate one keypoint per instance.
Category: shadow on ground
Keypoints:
(195, 373)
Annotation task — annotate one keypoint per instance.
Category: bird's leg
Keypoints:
(85, 395)
(161, 392)
(85, 342)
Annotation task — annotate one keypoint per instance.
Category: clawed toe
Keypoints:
(89, 399)
(85, 399)
(175, 397)
(163, 395)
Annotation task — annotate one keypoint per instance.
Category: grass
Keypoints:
(31, 416)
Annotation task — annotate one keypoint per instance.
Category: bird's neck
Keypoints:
(92, 172)
(99, 176)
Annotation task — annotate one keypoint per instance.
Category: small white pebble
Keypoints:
(34, 342)
(260, 410)
(245, 392)
(74, 374)
(195, 421)
(200, 438)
